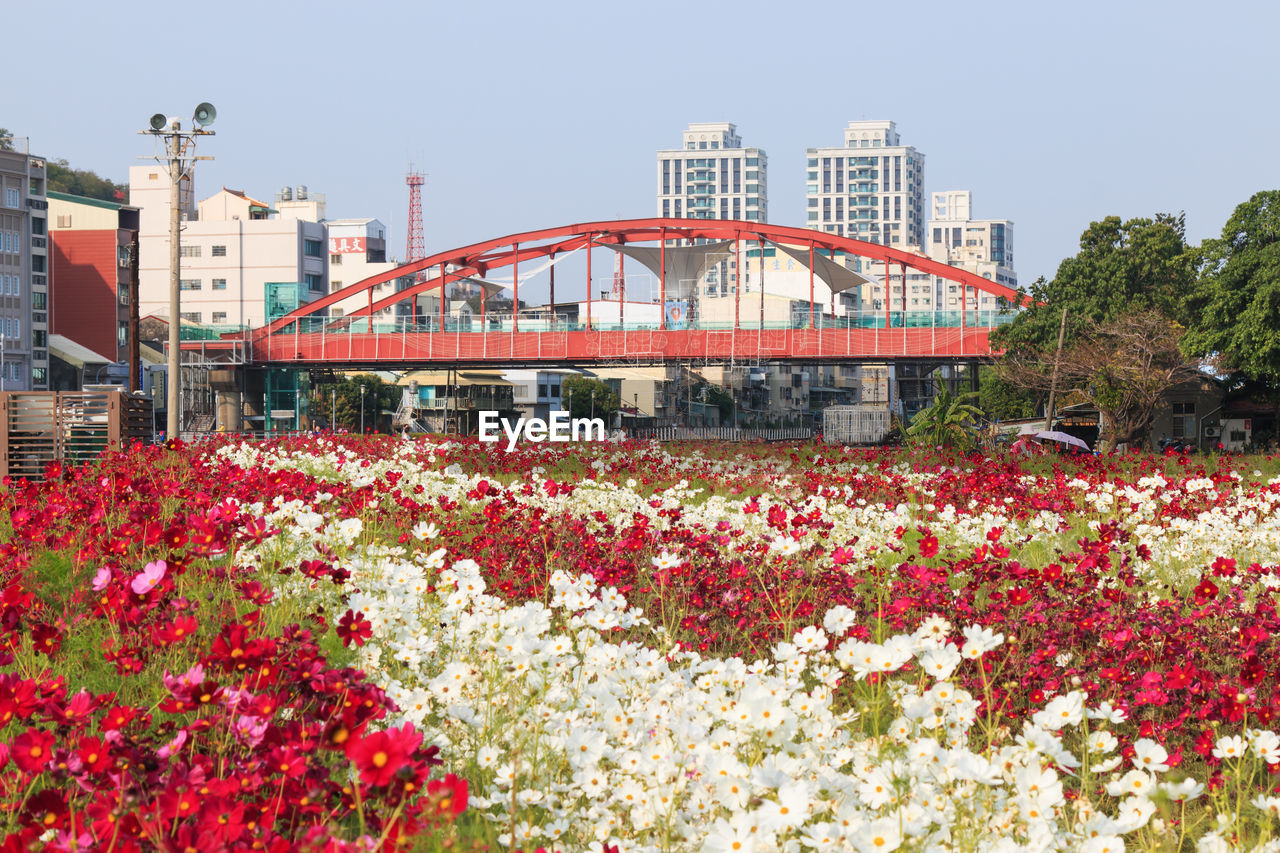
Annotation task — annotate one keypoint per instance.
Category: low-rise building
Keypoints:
(91, 271)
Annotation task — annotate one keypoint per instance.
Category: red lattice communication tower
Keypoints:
(415, 245)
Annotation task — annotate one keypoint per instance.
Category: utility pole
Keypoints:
(1053, 382)
(179, 153)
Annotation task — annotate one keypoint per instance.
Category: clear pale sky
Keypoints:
(530, 115)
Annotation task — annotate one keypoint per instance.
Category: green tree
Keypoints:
(951, 422)
(1122, 267)
(1004, 400)
(6, 139)
(1235, 307)
(586, 396)
(344, 396)
(718, 396)
(64, 179)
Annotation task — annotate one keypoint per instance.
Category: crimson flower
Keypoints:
(32, 750)
(929, 546)
(448, 796)
(380, 756)
(1205, 591)
(353, 627)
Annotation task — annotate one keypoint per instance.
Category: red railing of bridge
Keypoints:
(593, 347)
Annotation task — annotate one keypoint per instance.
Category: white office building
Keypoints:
(982, 246)
(358, 250)
(712, 176)
(232, 245)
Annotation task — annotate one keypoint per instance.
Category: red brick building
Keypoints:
(89, 276)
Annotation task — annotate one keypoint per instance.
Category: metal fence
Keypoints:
(39, 427)
(677, 433)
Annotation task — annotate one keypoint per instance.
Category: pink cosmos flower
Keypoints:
(151, 575)
(101, 579)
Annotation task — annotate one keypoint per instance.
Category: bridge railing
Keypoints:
(506, 323)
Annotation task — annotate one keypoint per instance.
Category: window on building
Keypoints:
(219, 251)
(189, 251)
(39, 375)
(37, 225)
(12, 198)
(1184, 419)
(37, 263)
(219, 316)
(315, 282)
(219, 284)
(335, 286)
(335, 260)
(39, 337)
(122, 333)
(189, 284)
(38, 300)
(122, 294)
(311, 248)
(192, 316)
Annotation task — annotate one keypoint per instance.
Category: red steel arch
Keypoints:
(479, 259)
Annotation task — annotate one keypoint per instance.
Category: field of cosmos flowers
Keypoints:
(354, 643)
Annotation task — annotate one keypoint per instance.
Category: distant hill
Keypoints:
(60, 177)
(64, 179)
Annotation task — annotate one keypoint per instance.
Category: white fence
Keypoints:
(722, 434)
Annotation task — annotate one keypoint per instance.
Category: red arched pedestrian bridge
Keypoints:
(689, 320)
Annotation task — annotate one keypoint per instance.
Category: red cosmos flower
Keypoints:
(177, 803)
(929, 546)
(95, 755)
(46, 810)
(178, 629)
(45, 639)
(118, 717)
(448, 796)
(1224, 567)
(380, 756)
(353, 627)
(1205, 591)
(73, 712)
(32, 750)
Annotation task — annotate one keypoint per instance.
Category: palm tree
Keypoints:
(950, 422)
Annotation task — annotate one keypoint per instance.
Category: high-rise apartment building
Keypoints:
(982, 246)
(24, 271)
(713, 176)
(872, 188)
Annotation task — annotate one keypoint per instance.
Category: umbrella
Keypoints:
(1064, 438)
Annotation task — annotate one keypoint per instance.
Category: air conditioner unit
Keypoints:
(1212, 432)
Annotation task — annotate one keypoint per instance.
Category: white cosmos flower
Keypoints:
(1229, 746)
(667, 560)
(979, 641)
(1266, 744)
(1150, 756)
(839, 619)
(941, 662)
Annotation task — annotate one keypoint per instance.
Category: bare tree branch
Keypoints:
(1122, 367)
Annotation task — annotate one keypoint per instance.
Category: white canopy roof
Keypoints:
(685, 264)
(837, 276)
